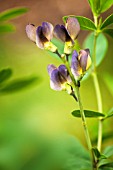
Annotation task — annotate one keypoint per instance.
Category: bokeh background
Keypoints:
(35, 116)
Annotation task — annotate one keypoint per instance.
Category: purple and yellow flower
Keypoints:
(68, 33)
(42, 35)
(59, 78)
(80, 63)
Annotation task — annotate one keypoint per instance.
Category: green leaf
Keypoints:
(12, 13)
(109, 32)
(101, 46)
(5, 74)
(105, 5)
(77, 46)
(108, 21)
(108, 79)
(87, 74)
(60, 45)
(88, 113)
(18, 84)
(98, 155)
(4, 28)
(107, 166)
(108, 152)
(103, 165)
(96, 152)
(95, 6)
(100, 6)
(85, 23)
(110, 113)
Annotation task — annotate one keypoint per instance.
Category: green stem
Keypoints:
(99, 102)
(94, 52)
(98, 94)
(85, 128)
(99, 143)
(96, 20)
(95, 40)
(83, 120)
(97, 88)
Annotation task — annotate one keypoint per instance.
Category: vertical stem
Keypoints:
(96, 20)
(83, 120)
(99, 143)
(85, 128)
(98, 94)
(94, 51)
(99, 102)
(97, 88)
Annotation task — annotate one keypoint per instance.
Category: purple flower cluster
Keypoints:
(41, 35)
(60, 78)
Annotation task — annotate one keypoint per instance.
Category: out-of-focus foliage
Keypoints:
(6, 27)
(108, 79)
(109, 113)
(62, 154)
(5, 74)
(18, 84)
(109, 32)
(8, 15)
(12, 13)
(101, 47)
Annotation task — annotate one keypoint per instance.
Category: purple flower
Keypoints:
(80, 63)
(42, 36)
(31, 32)
(59, 77)
(68, 33)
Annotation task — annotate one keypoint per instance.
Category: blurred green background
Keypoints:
(37, 117)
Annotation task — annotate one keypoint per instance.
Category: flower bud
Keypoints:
(80, 63)
(68, 33)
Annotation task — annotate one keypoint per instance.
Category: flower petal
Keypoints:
(47, 29)
(64, 72)
(73, 27)
(40, 38)
(60, 32)
(31, 32)
(55, 82)
(83, 54)
(50, 68)
(75, 66)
